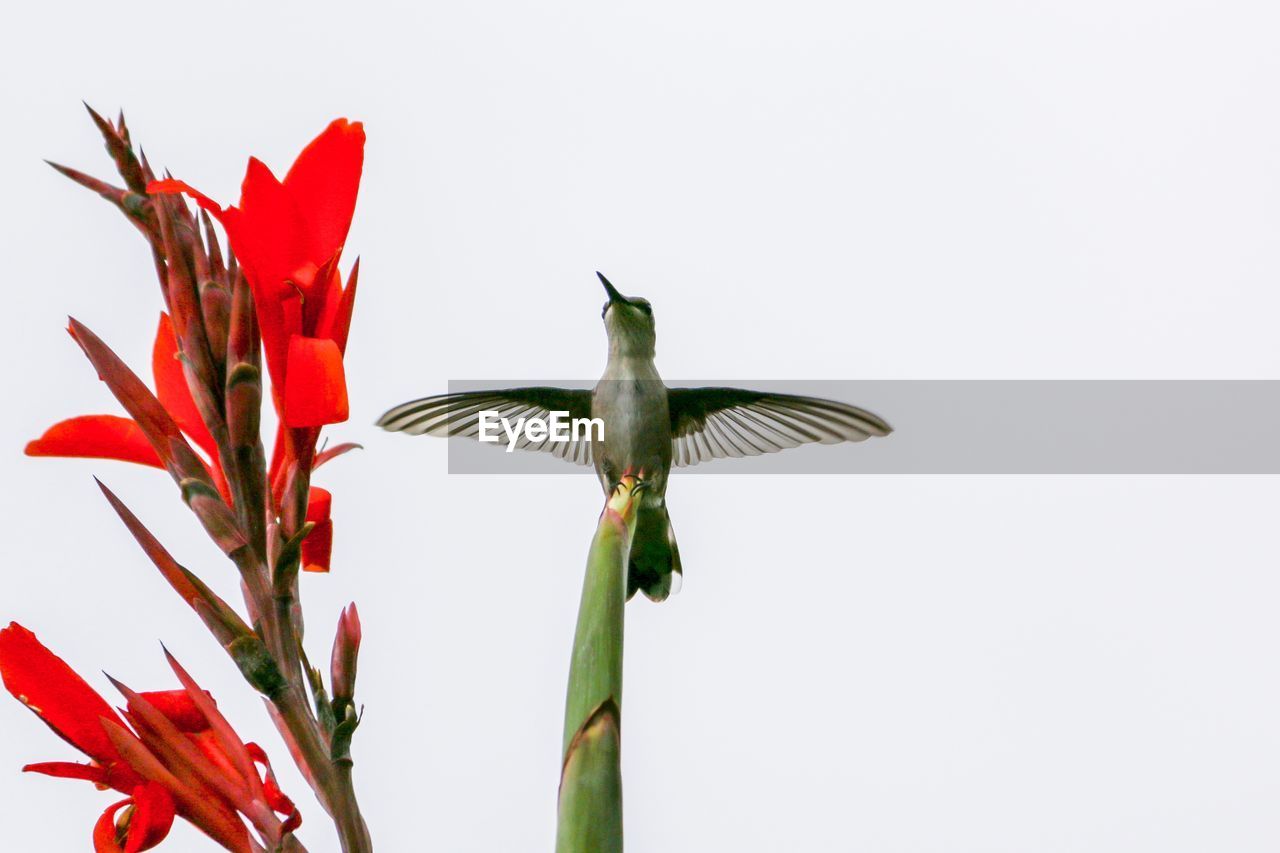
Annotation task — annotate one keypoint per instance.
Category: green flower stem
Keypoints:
(590, 809)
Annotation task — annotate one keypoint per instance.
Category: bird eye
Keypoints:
(646, 308)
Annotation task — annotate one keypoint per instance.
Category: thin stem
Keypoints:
(296, 716)
(290, 659)
(331, 780)
(254, 573)
(351, 825)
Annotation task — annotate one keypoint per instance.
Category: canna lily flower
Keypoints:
(276, 297)
(177, 757)
(288, 236)
(121, 438)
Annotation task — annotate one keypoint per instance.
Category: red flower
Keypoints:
(116, 437)
(288, 235)
(177, 757)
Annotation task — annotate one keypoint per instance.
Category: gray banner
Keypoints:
(988, 427)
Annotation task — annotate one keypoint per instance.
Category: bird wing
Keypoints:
(719, 423)
(459, 414)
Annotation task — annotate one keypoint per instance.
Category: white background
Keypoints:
(893, 190)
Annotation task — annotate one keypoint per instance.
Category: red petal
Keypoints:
(119, 776)
(170, 185)
(69, 770)
(267, 231)
(341, 327)
(48, 686)
(279, 461)
(319, 504)
(172, 389)
(321, 299)
(334, 452)
(104, 831)
(278, 320)
(96, 437)
(324, 182)
(153, 812)
(335, 322)
(179, 708)
(317, 548)
(148, 825)
(315, 391)
(268, 237)
(276, 798)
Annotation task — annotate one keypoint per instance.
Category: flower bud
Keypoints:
(346, 649)
(215, 305)
(242, 333)
(244, 405)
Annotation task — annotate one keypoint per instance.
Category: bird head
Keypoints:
(629, 322)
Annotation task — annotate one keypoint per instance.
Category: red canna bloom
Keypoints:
(288, 236)
(116, 437)
(177, 756)
(276, 297)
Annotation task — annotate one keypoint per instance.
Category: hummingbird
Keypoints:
(647, 427)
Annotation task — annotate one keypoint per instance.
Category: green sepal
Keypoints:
(257, 665)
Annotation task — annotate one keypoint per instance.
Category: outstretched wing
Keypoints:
(718, 423)
(459, 414)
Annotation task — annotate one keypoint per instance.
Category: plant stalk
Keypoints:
(590, 805)
(332, 779)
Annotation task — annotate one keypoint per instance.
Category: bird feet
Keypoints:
(623, 500)
(632, 480)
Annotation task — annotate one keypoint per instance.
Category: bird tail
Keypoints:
(655, 557)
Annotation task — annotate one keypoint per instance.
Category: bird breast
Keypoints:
(632, 403)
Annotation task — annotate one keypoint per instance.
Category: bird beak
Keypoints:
(614, 295)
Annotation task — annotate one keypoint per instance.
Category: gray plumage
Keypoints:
(647, 427)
